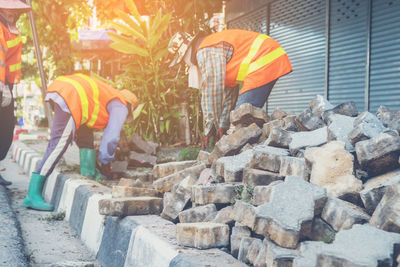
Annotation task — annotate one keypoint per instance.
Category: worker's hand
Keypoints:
(6, 96)
(105, 169)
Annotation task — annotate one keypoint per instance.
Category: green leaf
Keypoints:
(132, 22)
(157, 33)
(160, 23)
(129, 49)
(126, 30)
(137, 111)
(119, 38)
(155, 22)
(132, 8)
(177, 115)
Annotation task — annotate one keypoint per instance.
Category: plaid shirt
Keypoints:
(217, 100)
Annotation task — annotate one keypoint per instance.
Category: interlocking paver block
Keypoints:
(301, 140)
(247, 114)
(202, 235)
(375, 188)
(230, 145)
(387, 214)
(128, 206)
(307, 121)
(365, 126)
(339, 129)
(267, 158)
(165, 184)
(255, 177)
(363, 245)
(290, 211)
(214, 193)
(341, 215)
(319, 104)
(196, 214)
(126, 191)
(180, 197)
(165, 169)
(379, 154)
(231, 168)
(279, 137)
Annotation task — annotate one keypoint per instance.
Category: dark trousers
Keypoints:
(7, 123)
(61, 136)
(257, 96)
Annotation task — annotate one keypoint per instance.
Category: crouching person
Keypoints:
(81, 104)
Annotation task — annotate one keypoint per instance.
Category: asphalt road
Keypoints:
(11, 243)
(34, 238)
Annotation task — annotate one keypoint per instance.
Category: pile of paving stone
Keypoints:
(134, 153)
(321, 188)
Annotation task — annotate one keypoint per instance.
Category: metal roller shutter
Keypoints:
(385, 55)
(253, 21)
(299, 26)
(348, 51)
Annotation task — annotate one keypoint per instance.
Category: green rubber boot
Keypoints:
(34, 199)
(87, 159)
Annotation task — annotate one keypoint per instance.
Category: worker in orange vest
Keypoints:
(10, 70)
(81, 104)
(221, 61)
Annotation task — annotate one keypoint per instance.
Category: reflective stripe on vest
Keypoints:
(14, 67)
(268, 58)
(95, 89)
(14, 42)
(246, 67)
(82, 96)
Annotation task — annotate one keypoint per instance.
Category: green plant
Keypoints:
(146, 73)
(244, 193)
(188, 153)
(54, 217)
(143, 30)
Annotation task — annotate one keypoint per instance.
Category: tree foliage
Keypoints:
(57, 23)
(146, 72)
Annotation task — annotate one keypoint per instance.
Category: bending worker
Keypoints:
(224, 60)
(10, 70)
(81, 104)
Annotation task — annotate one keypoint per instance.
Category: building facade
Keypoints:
(345, 50)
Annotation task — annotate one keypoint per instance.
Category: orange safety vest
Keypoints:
(12, 45)
(257, 59)
(87, 99)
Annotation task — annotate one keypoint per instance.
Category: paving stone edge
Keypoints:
(115, 241)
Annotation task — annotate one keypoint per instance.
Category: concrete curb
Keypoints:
(130, 241)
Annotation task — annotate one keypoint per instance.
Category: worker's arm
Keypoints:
(212, 63)
(117, 116)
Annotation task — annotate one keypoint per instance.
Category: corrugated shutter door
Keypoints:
(348, 51)
(299, 26)
(385, 55)
(253, 21)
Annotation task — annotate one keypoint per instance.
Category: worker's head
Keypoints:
(10, 10)
(178, 45)
(130, 98)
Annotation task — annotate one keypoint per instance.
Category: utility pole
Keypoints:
(40, 65)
